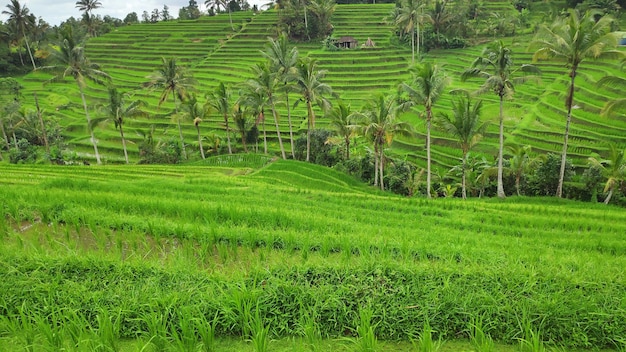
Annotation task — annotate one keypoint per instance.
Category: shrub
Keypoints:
(23, 153)
(167, 152)
(546, 178)
(322, 153)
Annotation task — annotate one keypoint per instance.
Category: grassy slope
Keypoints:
(192, 228)
(214, 53)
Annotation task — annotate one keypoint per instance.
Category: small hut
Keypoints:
(347, 43)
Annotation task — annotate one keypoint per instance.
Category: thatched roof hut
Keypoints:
(347, 42)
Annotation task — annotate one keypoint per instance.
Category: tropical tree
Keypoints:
(342, 120)
(409, 17)
(464, 124)
(221, 100)
(265, 82)
(254, 101)
(323, 10)
(613, 169)
(283, 61)
(72, 62)
(173, 80)
(521, 162)
(495, 66)
(196, 112)
(309, 84)
(225, 5)
(574, 39)
(21, 21)
(617, 104)
(425, 87)
(117, 110)
(241, 116)
(88, 6)
(381, 125)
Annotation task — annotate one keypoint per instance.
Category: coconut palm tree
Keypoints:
(283, 61)
(464, 124)
(265, 81)
(173, 80)
(22, 22)
(617, 104)
(221, 100)
(425, 87)
(196, 112)
(495, 66)
(342, 120)
(381, 125)
(72, 62)
(225, 5)
(323, 10)
(309, 84)
(254, 101)
(521, 162)
(613, 169)
(88, 6)
(574, 39)
(409, 17)
(118, 110)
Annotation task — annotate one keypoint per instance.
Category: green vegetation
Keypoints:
(193, 255)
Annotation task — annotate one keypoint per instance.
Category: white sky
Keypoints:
(56, 11)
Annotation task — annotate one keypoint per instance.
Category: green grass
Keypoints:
(110, 249)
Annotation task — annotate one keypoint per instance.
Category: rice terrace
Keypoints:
(312, 175)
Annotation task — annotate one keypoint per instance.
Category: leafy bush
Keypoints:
(546, 178)
(322, 153)
(167, 152)
(23, 153)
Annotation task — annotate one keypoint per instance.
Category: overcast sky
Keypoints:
(56, 11)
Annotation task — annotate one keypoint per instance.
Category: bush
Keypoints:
(167, 152)
(24, 152)
(546, 178)
(322, 153)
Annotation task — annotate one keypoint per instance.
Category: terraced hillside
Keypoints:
(215, 53)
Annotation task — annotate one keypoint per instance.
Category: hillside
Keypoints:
(293, 240)
(214, 54)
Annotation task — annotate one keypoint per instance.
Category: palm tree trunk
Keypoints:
(29, 52)
(517, 183)
(14, 137)
(412, 45)
(381, 164)
(93, 139)
(608, 197)
(308, 130)
(428, 180)
(293, 148)
(200, 142)
(348, 148)
(124, 143)
(230, 150)
(501, 193)
(43, 126)
(463, 165)
(230, 18)
(569, 102)
(280, 140)
(180, 129)
(4, 135)
(264, 135)
(375, 164)
(306, 22)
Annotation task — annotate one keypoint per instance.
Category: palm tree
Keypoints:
(427, 83)
(225, 5)
(88, 6)
(613, 169)
(21, 20)
(196, 112)
(221, 100)
(409, 17)
(243, 122)
(254, 101)
(465, 125)
(118, 110)
(175, 81)
(381, 125)
(521, 162)
(309, 84)
(283, 61)
(574, 39)
(495, 66)
(265, 81)
(342, 121)
(323, 10)
(72, 62)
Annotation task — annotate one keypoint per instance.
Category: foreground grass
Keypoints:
(297, 250)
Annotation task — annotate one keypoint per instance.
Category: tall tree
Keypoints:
(221, 100)
(254, 101)
(495, 66)
(342, 120)
(309, 84)
(425, 87)
(72, 62)
(173, 80)
(574, 39)
(21, 20)
(409, 17)
(283, 61)
(466, 127)
(381, 125)
(225, 5)
(265, 81)
(88, 6)
(522, 161)
(323, 10)
(618, 104)
(196, 112)
(613, 169)
(118, 110)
